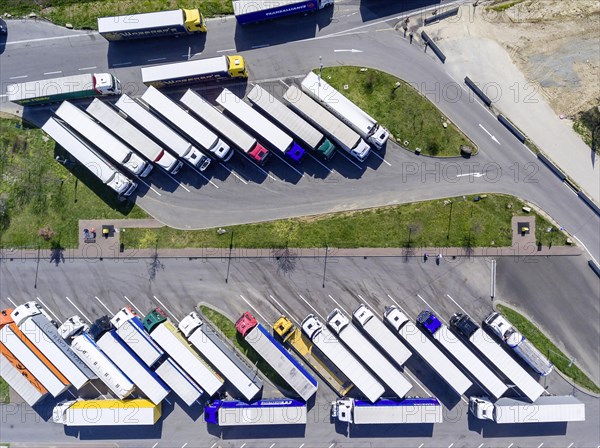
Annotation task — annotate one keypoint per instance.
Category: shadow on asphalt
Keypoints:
(374, 9)
(491, 429)
(382, 431)
(257, 432)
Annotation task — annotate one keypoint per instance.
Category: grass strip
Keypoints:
(4, 391)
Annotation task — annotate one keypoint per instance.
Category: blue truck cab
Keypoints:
(428, 321)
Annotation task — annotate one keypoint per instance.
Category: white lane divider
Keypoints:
(284, 310)
(133, 305)
(312, 307)
(78, 310)
(105, 307)
(255, 310)
(51, 312)
(165, 308)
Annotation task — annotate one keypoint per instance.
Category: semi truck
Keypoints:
(381, 335)
(387, 412)
(36, 325)
(496, 355)
(340, 106)
(222, 357)
(292, 336)
(520, 345)
(547, 409)
(187, 124)
(19, 379)
(163, 133)
(259, 125)
(75, 331)
(118, 125)
(106, 412)
(152, 24)
(293, 123)
(94, 133)
(456, 349)
(288, 368)
(13, 340)
(225, 127)
(125, 359)
(96, 164)
(172, 341)
(197, 70)
(319, 117)
(282, 411)
(365, 351)
(339, 355)
(131, 330)
(427, 350)
(52, 90)
(252, 11)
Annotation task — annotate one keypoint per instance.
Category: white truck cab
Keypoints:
(72, 326)
(28, 309)
(189, 323)
(107, 84)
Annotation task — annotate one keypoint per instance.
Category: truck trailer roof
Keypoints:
(140, 21)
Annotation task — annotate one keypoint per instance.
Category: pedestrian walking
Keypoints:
(438, 259)
(425, 257)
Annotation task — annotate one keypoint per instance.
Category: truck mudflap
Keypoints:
(295, 152)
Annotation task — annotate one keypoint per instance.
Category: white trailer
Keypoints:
(222, 358)
(387, 412)
(36, 325)
(85, 126)
(106, 412)
(345, 110)
(95, 163)
(342, 358)
(163, 133)
(547, 409)
(187, 124)
(497, 356)
(118, 125)
(224, 126)
(427, 350)
(319, 117)
(381, 335)
(20, 379)
(367, 352)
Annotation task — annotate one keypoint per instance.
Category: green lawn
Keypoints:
(38, 192)
(408, 115)
(4, 392)
(424, 224)
(84, 14)
(545, 345)
(227, 327)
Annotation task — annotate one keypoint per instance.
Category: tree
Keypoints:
(285, 258)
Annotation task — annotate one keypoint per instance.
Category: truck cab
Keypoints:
(363, 314)
(211, 412)
(194, 21)
(59, 413)
(282, 327)
(464, 324)
(482, 408)
(379, 137)
(337, 321)
(189, 323)
(153, 319)
(106, 84)
(502, 328)
(429, 321)
(342, 410)
(72, 326)
(395, 317)
(246, 323)
(311, 326)
(29, 309)
(237, 66)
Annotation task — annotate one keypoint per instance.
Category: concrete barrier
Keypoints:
(514, 131)
(433, 46)
(440, 16)
(552, 167)
(591, 204)
(478, 91)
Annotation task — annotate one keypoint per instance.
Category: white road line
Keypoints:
(451, 445)
(73, 395)
(118, 64)
(223, 51)
(165, 308)
(97, 390)
(184, 445)
(456, 303)
(301, 446)
(160, 59)
(51, 312)
(136, 308)
(204, 177)
(381, 158)
(339, 306)
(260, 46)
(86, 68)
(312, 307)
(398, 305)
(105, 307)
(53, 73)
(78, 310)
(586, 249)
(47, 38)
(330, 446)
(510, 445)
(243, 445)
(571, 445)
(233, 172)
(320, 163)
(255, 310)
(350, 159)
(431, 308)
(366, 303)
(14, 304)
(480, 446)
(287, 163)
(540, 445)
(272, 445)
(154, 446)
(18, 77)
(213, 445)
(2, 96)
(284, 310)
(420, 446)
(281, 81)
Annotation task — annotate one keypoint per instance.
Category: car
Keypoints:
(3, 27)
(429, 321)
(503, 329)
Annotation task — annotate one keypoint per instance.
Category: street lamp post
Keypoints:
(229, 260)
(325, 267)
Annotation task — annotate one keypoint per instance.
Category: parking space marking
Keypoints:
(420, 446)
(381, 158)
(184, 445)
(320, 163)
(431, 308)
(86, 68)
(155, 445)
(10, 300)
(301, 446)
(285, 311)
(78, 310)
(456, 303)
(287, 163)
(51, 312)
(165, 308)
(18, 77)
(137, 309)
(349, 159)
(540, 446)
(105, 307)
(73, 395)
(366, 303)
(398, 305)
(97, 390)
(312, 307)
(148, 185)
(255, 310)
(510, 445)
(233, 172)
(571, 445)
(53, 73)
(480, 446)
(451, 445)
(243, 445)
(339, 306)
(272, 445)
(330, 446)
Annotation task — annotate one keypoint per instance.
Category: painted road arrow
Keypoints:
(488, 133)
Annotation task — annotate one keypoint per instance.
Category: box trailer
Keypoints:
(225, 127)
(252, 11)
(288, 368)
(106, 412)
(387, 412)
(339, 355)
(19, 379)
(152, 24)
(367, 352)
(547, 409)
(92, 161)
(283, 411)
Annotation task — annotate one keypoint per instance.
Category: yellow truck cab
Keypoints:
(194, 21)
(237, 66)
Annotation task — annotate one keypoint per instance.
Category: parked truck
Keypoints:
(381, 335)
(235, 135)
(53, 90)
(196, 70)
(152, 24)
(521, 346)
(282, 411)
(387, 412)
(259, 125)
(454, 347)
(19, 379)
(92, 161)
(496, 355)
(292, 336)
(163, 133)
(427, 350)
(106, 412)
(118, 125)
(547, 409)
(131, 330)
(172, 341)
(13, 340)
(252, 11)
(345, 110)
(292, 122)
(288, 368)
(367, 352)
(319, 117)
(187, 124)
(339, 355)
(36, 325)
